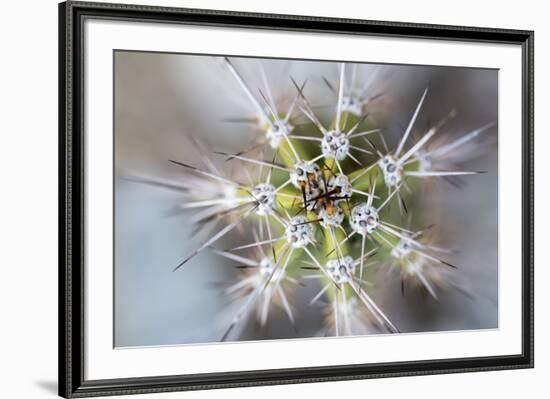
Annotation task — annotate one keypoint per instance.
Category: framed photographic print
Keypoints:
(251, 199)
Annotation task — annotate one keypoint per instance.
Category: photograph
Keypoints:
(278, 199)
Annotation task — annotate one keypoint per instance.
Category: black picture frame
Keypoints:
(72, 383)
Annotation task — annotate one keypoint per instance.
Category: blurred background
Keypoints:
(161, 100)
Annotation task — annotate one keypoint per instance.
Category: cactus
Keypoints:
(325, 203)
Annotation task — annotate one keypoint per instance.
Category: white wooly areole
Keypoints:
(335, 143)
(265, 194)
(445, 155)
(364, 219)
(353, 104)
(331, 220)
(299, 232)
(355, 96)
(340, 185)
(417, 259)
(341, 273)
(217, 194)
(341, 270)
(306, 176)
(392, 170)
(263, 269)
(268, 116)
(277, 131)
